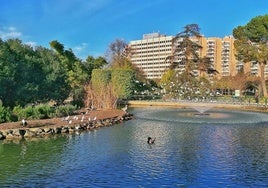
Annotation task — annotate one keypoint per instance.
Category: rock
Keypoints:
(29, 133)
(64, 130)
(2, 137)
(47, 130)
(38, 131)
(57, 130)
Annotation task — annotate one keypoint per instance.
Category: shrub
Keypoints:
(19, 112)
(65, 110)
(5, 114)
(42, 111)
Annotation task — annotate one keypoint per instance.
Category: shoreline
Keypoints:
(181, 104)
(102, 118)
(76, 123)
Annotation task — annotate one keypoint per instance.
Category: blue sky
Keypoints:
(89, 26)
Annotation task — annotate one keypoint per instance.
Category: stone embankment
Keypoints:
(66, 128)
(185, 104)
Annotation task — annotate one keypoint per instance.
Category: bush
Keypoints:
(65, 110)
(5, 114)
(42, 111)
(19, 112)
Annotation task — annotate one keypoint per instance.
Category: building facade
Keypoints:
(150, 54)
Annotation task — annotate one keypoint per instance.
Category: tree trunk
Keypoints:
(263, 81)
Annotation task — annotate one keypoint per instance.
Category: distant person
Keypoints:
(150, 140)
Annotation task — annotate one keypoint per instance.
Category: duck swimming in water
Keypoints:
(150, 140)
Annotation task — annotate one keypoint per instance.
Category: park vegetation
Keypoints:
(252, 45)
(193, 76)
(39, 82)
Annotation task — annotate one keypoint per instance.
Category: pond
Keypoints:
(220, 149)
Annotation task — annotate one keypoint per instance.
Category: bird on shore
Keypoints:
(82, 119)
(125, 108)
(65, 118)
(24, 122)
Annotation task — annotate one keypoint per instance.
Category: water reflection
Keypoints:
(186, 153)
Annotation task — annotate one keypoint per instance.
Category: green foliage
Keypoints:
(77, 72)
(92, 63)
(109, 85)
(65, 110)
(252, 44)
(78, 97)
(57, 46)
(100, 79)
(42, 111)
(19, 112)
(255, 30)
(123, 82)
(186, 50)
(28, 75)
(29, 112)
(5, 114)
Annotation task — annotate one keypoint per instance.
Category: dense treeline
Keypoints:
(30, 75)
(31, 78)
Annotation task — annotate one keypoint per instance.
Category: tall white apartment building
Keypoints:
(150, 53)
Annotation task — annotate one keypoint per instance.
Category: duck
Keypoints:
(150, 140)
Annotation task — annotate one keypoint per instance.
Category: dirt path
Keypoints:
(99, 114)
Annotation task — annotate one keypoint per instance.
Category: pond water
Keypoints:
(220, 149)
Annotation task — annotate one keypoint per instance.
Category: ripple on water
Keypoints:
(192, 154)
(212, 116)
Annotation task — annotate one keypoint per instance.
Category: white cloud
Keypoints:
(10, 32)
(31, 43)
(80, 47)
(81, 50)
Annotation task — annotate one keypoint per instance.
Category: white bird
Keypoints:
(125, 108)
(95, 118)
(89, 119)
(82, 119)
(24, 123)
(67, 118)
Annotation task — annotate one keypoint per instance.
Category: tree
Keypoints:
(30, 75)
(205, 66)
(109, 85)
(252, 45)
(186, 50)
(168, 80)
(117, 54)
(77, 75)
(122, 82)
(186, 61)
(54, 86)
(92, 63)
